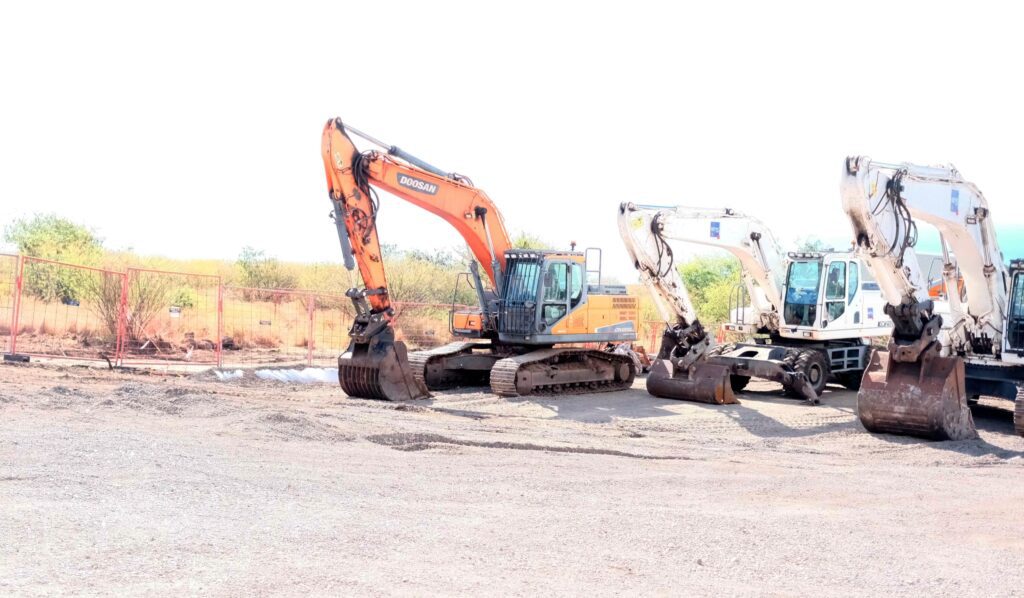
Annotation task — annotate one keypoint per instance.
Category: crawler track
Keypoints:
(420, 361)
(561, 371)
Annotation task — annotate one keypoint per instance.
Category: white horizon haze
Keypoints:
(191, 130)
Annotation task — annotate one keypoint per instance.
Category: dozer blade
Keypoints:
(703, 382)
(379, 371)
(926, 398)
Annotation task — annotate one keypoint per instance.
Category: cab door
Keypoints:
(563, 291)
(1013, 337)
(842, 305)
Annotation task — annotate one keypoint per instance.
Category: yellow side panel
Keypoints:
(598, 312)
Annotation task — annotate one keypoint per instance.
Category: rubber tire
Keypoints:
(738, 383)
(807, 362)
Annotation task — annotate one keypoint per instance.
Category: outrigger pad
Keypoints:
(926, 398)
(379, 371)
(703, 382)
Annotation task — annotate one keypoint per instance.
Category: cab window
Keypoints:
(803, 282)
(854, 283)
(835, 290)
(556, 283)
(556, 292)
(576, 284)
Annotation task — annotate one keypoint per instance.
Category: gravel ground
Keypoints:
(129, 484)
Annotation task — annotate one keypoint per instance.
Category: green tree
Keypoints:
(811, 244)
(711, 282)
(525, 240)
(51, 237)
(261, 272)
(439, 257)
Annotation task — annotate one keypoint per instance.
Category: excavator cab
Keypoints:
(831, 295)
(1014, 334)
(546, 299)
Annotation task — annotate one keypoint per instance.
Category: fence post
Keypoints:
(220, 323)
(16, 315)
(309, 338)
(122, 319)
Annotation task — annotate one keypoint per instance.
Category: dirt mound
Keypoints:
(62, 397)
(299, 426)
(178, 401)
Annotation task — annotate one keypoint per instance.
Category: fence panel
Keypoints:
(332, 318)
(267, 327)
(170, 317)
(423, 325)
(66, 311)
(145, 316)
(9, 266)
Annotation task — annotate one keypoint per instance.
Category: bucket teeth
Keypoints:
(703, 382)
(379, 372)
(926, 398)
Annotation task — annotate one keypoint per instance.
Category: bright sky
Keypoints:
(193, 129)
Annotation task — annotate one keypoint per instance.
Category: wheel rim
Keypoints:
(814, 375)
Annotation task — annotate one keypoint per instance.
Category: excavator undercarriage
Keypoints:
(511, 372)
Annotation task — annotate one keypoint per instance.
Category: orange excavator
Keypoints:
(536, 299)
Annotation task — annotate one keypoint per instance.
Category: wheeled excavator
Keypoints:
(932, 370)
(536, 299)
(815, 310)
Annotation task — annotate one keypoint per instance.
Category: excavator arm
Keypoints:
(376, 365)
(681, 370)
(919, 387)
(747, 239)
(350, 174)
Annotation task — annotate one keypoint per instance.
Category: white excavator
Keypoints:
(924, 383)
(816, 311)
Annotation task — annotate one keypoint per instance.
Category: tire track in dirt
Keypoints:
(404, 441)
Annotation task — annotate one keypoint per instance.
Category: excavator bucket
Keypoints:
(926, 398)
(703, 382)
(379, 370)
